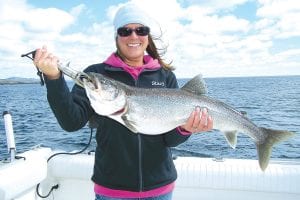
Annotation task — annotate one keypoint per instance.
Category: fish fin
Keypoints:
(231, 137)
(264, 149)
(196, 85)
(129, 124)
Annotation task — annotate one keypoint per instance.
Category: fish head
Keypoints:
(106, 96)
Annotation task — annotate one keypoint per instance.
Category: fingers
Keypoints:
(197, 118)
(209, 123)
(206, 122)
(39, 55)
(199, 121)
(190, 122)
(47, 63)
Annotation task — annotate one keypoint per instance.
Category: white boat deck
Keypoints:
(198, 178)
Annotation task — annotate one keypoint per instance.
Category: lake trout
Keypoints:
(158, 110)
(155, 111)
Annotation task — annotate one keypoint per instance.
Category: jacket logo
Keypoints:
(156, 83)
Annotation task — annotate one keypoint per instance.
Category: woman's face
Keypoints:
(132, 47)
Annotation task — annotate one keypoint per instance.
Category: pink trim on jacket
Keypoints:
(116, 61)
(183, 132)
(130, 194)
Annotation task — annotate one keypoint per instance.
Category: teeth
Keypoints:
(134, 45)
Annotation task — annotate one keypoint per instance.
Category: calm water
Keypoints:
(272, 102)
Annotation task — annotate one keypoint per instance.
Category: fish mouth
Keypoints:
(90, 82)
(84, 79)
(94, 82)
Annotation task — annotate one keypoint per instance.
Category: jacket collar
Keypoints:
(118, 64)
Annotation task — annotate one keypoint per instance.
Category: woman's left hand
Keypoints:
(199, 121)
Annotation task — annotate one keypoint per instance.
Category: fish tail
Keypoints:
(264, 149)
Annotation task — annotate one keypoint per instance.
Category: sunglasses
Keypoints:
(140, 31)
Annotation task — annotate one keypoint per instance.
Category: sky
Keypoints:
(215, 38)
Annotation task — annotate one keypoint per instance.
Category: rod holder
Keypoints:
(10, 139)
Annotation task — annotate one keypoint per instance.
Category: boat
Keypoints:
(43, 173)
(198, 178)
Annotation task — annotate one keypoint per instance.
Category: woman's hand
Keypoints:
(47, 63)
(199, 121)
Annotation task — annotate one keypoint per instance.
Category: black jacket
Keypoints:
(123, 160)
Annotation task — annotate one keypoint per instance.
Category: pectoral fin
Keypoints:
(129, 124)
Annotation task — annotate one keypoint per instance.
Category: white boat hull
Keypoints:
(198, 178)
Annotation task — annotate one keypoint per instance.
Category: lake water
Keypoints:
(272, 102)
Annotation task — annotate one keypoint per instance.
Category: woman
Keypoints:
(127, 165)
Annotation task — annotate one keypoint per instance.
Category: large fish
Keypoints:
(155, 111)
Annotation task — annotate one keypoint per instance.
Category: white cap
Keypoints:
(129, 14)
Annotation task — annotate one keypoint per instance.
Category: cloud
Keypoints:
(23, 25)
(13, 11)
(77, 10)
(34, 19)
(47, 20)
(200, 40)
(215, 5)
(277, 8)
(23, 28)
(202, 36)
(206, 38)
(282, 16)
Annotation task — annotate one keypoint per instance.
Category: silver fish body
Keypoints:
(155, 111)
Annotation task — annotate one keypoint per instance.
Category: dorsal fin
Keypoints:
(196, 85)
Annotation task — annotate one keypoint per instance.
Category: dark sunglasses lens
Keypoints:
(142, 31)
(124, 32)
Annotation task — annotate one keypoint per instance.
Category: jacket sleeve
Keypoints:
(71, 109)
(174, 137)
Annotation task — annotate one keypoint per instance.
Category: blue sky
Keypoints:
(213, 37)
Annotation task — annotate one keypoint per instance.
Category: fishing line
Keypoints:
(39, 72)
(92, 124)
(54, 187)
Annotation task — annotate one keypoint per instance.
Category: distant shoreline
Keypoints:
(16, 81)
(19, 80)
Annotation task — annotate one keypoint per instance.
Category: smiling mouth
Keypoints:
(134, 44)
